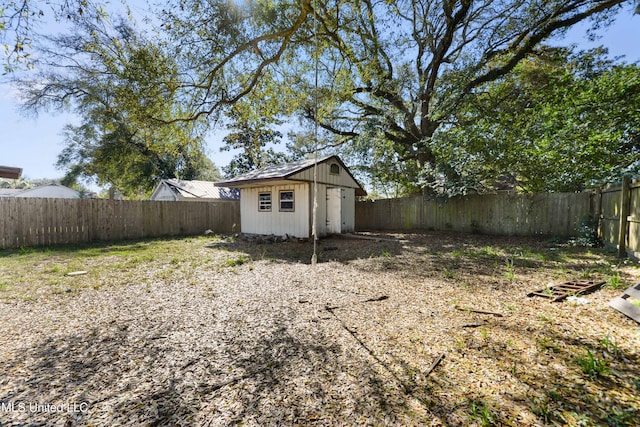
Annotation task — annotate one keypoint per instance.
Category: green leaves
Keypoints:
(562, 122)
(125, 89)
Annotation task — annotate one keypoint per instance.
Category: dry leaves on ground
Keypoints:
(218, 331)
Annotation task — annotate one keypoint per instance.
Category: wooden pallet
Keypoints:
(563, 290)
(626, 307)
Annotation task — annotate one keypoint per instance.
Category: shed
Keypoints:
(50, 191)
(191, 190)
(278, 200)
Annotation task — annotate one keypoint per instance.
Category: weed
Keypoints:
(235, 262)
(586, 274)
(571, 418)
(588, 231)
(386, 254)
(27, 251)
(609, 345)
(618, 417)
(484, 334)
(448, 273)
(3, 286)
(175, 260)
(481, 411)
(593, 365)
(545, 343)
(488, 251)
(540, 407)
(613, 281)
(510, 274)
(554, 395)
(545, 318)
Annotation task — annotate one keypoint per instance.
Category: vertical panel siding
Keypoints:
(321, 211)
(348, 210)
(343, 179)
(278, 223)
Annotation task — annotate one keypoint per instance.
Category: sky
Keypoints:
(33, 143)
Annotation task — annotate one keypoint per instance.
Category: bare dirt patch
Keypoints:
(217, 331)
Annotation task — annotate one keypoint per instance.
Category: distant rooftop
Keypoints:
(202, 189)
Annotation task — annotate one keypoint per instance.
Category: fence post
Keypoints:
(624, 214)
(597, 212)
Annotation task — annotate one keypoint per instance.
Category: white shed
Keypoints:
(278, 199)
(182, 190)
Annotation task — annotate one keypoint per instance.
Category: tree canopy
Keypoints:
(395, 81)
(560, 122)
(398, 70)
(124, 89)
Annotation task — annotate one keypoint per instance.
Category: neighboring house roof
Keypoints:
(53, 191)
(9, 192)
(286, 171)
(198, 189)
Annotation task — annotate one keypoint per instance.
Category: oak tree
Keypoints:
(399, 69)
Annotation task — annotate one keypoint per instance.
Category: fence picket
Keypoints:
(34, 221)
(507, 214)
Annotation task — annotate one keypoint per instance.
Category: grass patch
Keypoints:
(592, 365)
(236, 262)
(482, 413)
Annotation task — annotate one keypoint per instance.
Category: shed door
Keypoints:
(334, 212)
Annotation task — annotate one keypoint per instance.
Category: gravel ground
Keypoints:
(216, 331)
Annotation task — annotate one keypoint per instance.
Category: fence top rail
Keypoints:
(617, 186)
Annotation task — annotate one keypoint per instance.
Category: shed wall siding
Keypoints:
(321, 213)
(348, 210)
(275, 222)
(343, 179)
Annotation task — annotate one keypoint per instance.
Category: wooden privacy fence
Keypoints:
(37, 222)
(618, 209)
(555, 214)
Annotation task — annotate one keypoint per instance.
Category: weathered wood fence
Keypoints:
(554, 214)
(618, 210)
(38, 222)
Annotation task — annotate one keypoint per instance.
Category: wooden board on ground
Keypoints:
(563, 290)
(626, 307)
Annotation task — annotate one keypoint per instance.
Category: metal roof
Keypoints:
(274, 172)
(10, 192)
(284, 171)
(201, 189)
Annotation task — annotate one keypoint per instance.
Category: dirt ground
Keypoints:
(216, 331)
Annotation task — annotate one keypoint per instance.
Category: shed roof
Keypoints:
(201, 189)
(285, 171)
